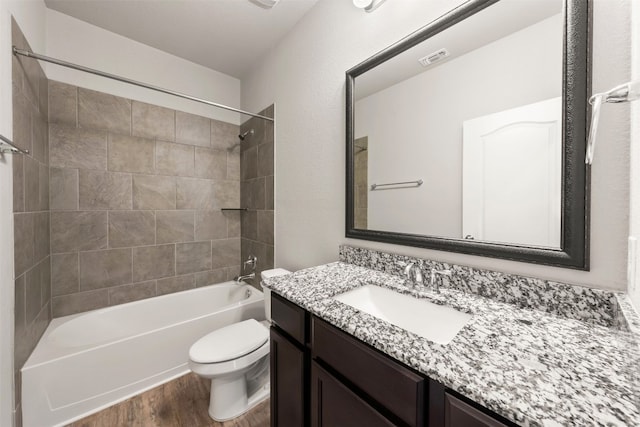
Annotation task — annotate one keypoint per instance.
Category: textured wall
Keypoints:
(32, 267)
(136, 191)
(257, 191)
(310, 165)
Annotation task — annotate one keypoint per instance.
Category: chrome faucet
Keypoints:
(413, 274)
(433, 283)
(250, 262)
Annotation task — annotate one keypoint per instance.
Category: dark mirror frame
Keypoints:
(574, 251)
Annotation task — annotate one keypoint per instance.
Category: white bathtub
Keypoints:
(89, 361)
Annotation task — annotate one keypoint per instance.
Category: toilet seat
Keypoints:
(259, 333)
(229, 343)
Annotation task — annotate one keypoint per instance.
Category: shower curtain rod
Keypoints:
(28, 54)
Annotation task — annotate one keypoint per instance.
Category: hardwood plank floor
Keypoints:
(183, 402)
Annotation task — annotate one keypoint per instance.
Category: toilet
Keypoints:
(236, 360)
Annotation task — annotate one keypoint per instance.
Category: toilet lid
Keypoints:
(229, 343)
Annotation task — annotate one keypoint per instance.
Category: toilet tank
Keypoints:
(267, 292)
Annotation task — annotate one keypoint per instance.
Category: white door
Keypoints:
(511, 175)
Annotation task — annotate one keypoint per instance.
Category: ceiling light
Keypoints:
(265, 4)
(368, 5)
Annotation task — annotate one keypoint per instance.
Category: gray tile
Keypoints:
(153, 262)
(249, 226)
(265, 159)
(31, 184)
(104, 190)
(44, 96)
(224, 135)
(154, 192)
(131, 228)
(253, 194)
(233, 165)
(195, 194)
(24, 242)
(44, 187)
(20, 305)
(33, 294)
(18, 183)
(39, 137)
(63, 103)
(175, 284)
(151, 121)
(174, 159)
(134, 292)
(21, 121)
(131, 154)
(65, 305)
(192, 129)
(210, 225)
(232, 272)
(210, 163)
(78, 231)
(258, 133)
(226, 194)
(63, 186)
(174, 226)
(211, 277)
(102, 269)
(45, 281)
(249, 164)
(65, 274)
(41, 235)
(192, 257)
(234, 223)
(265, 227)
(98, 110)
(225, 253)
(77, 148)
(269, 193)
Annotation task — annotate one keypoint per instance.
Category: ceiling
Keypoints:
(225, 35)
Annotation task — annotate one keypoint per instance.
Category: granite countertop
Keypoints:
(532, 367)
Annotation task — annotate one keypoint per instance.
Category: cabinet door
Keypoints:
(460, 414)
(287, 382)
(334, 405)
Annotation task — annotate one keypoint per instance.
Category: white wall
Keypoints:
(421, 135)
(76, 41)
(30, 16)
(304, 75)
(634, 224)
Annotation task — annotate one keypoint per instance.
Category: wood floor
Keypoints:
(182, 402)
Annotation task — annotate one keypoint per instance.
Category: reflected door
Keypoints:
(512, 166)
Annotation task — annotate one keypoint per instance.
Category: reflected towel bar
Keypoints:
(7, 146)
(417, 183)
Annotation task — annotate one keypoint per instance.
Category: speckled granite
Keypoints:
(530, 366)
(573, 302)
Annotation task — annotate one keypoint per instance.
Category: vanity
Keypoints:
(335, 365)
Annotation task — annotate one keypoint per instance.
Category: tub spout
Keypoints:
(240, 279)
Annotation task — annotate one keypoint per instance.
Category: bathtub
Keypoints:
(89, 361)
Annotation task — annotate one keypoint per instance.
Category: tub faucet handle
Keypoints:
(251, 261)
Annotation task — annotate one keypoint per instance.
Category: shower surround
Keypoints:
(136, 192)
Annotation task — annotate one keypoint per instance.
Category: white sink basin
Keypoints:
(434, 322)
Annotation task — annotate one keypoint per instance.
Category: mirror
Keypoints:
(469, 134)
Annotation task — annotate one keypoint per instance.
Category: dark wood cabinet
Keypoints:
(324, 377)
(334, 404)
(287, 382)
(460, 414)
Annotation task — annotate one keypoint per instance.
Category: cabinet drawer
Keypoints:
(460, 414)
(289, 317)
(333, 404)
(388, 383)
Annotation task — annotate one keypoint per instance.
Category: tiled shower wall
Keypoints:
(136, 192)
(31, 208)
(257, 191)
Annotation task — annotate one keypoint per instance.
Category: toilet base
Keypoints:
(228, 399)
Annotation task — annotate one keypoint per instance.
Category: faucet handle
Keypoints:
(413, 273)
(251, 261)
(434, 273)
